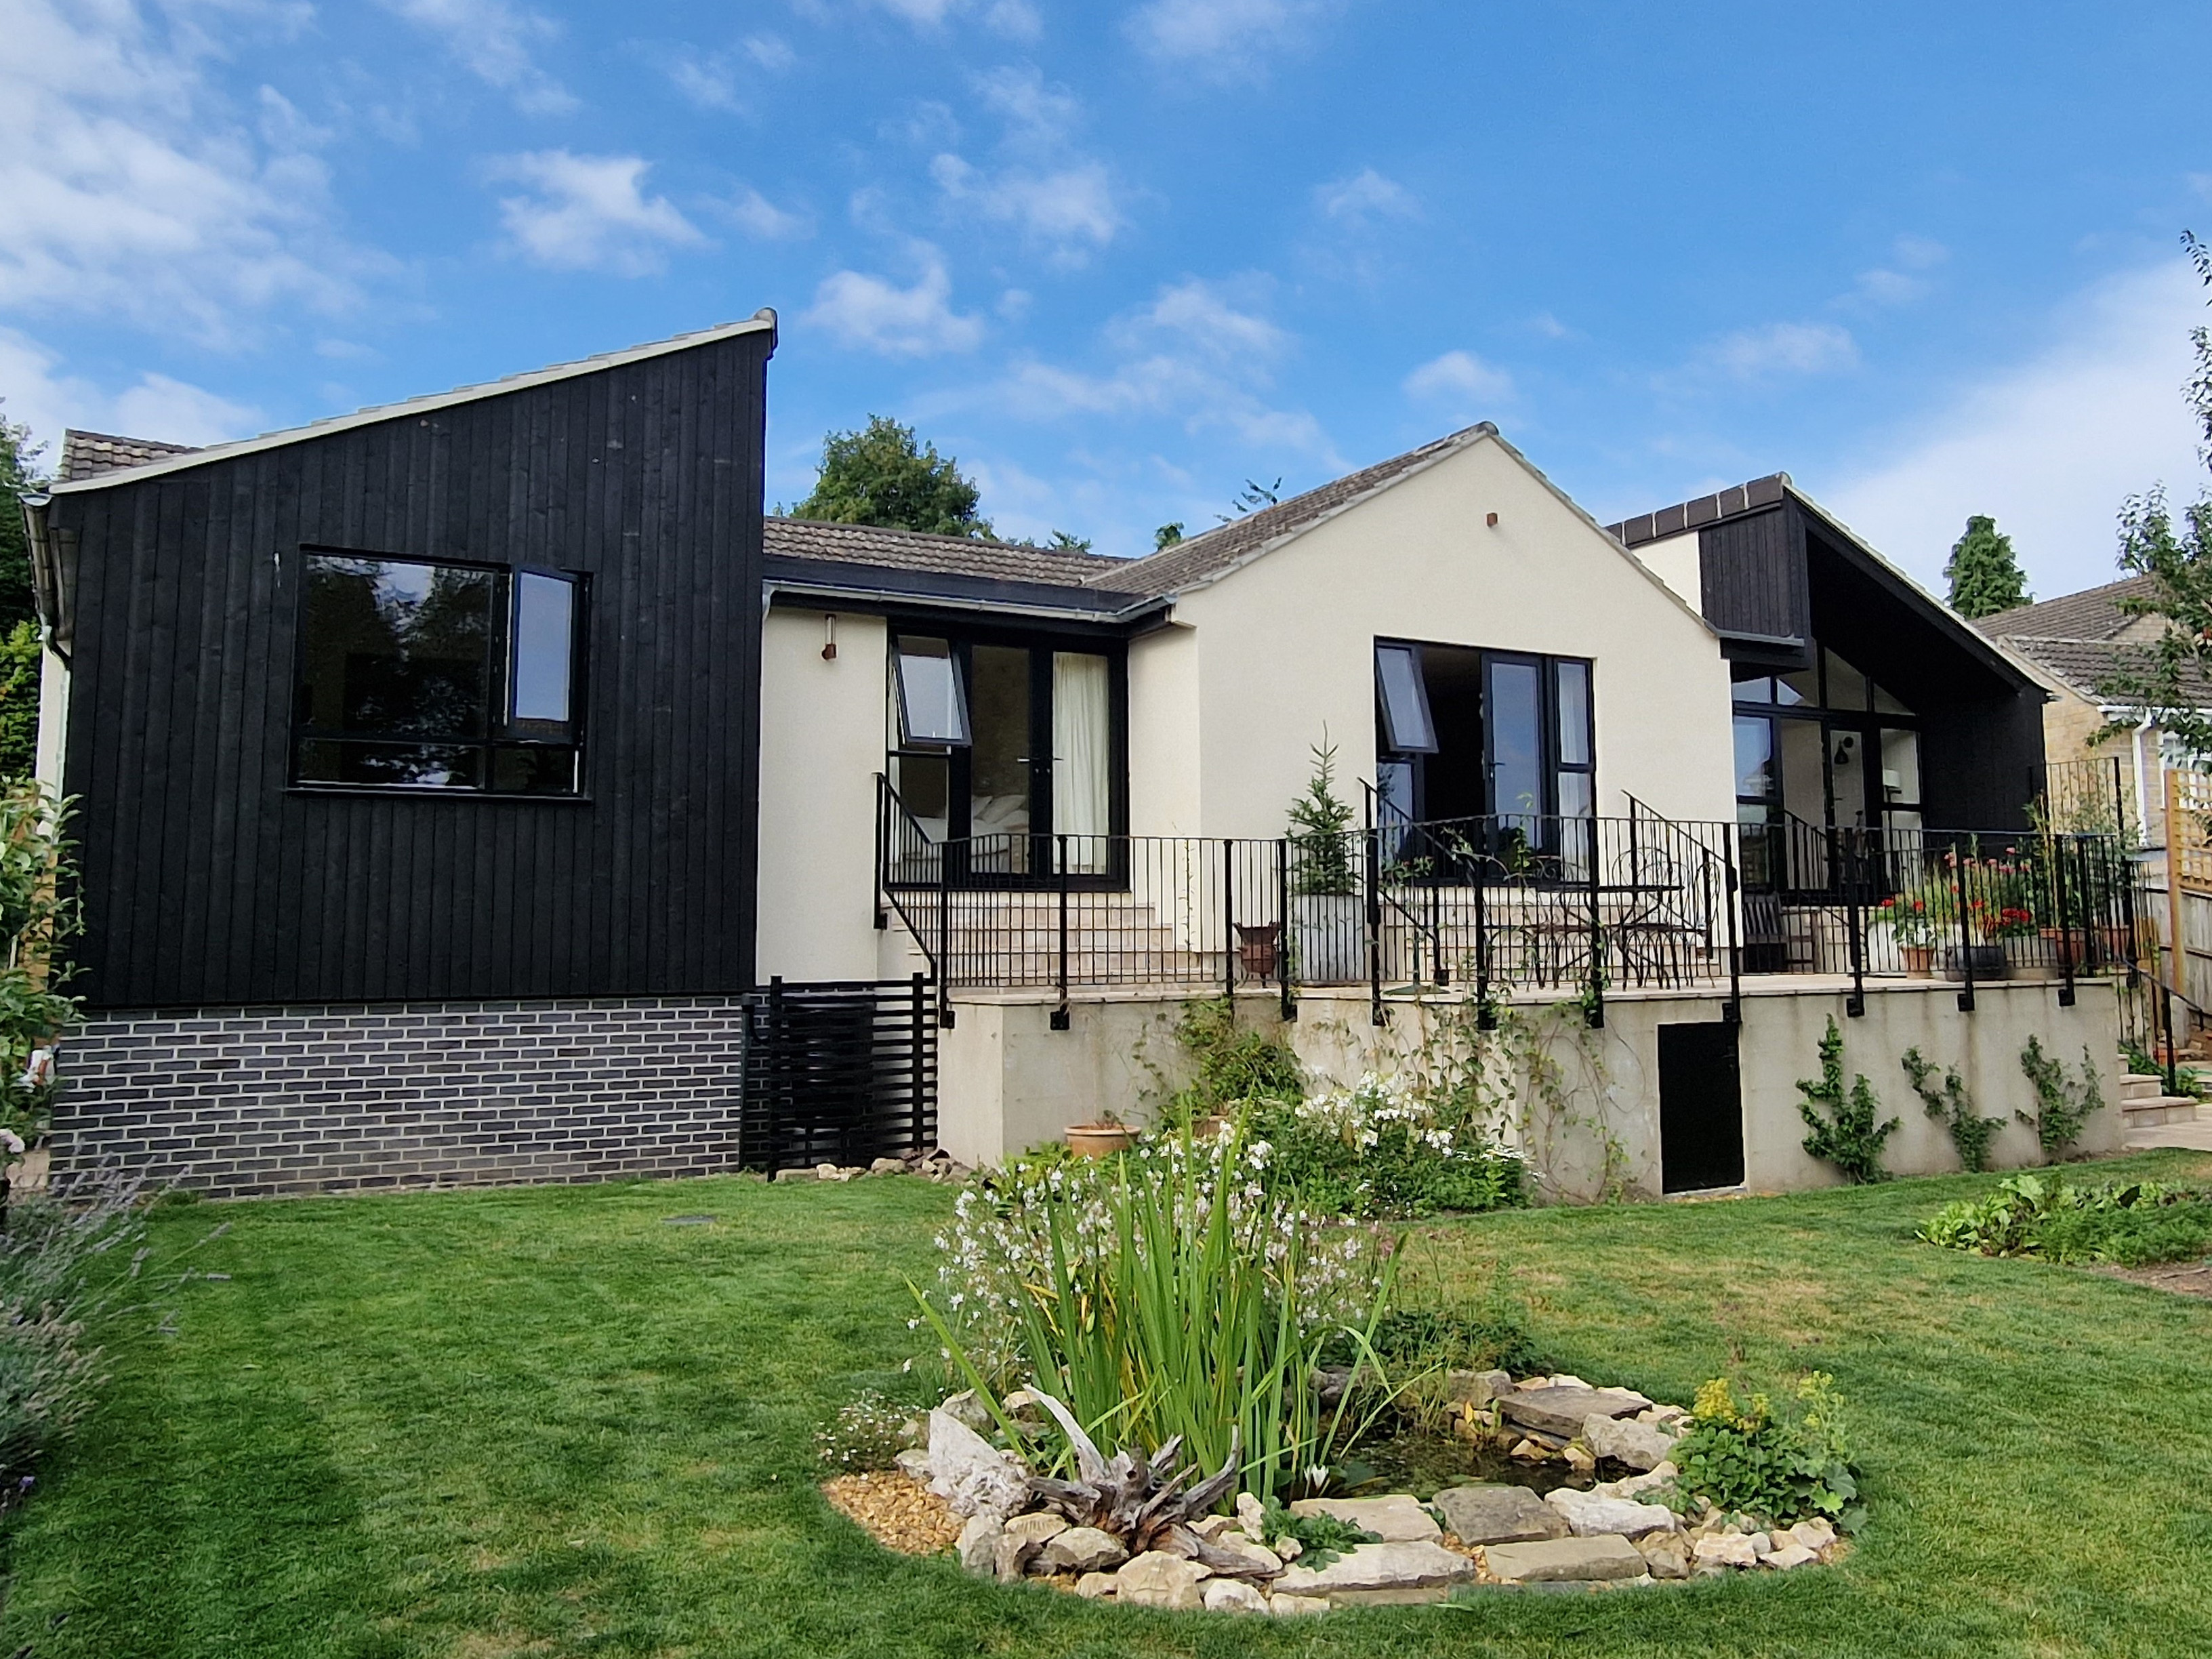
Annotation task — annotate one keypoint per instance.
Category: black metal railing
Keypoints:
(1510, 904)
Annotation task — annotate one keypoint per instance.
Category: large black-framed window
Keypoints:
(1013, 744)
(1463, 732)
(1824, 747)
(428, 675)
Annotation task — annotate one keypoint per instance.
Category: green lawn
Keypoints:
(549, 1422)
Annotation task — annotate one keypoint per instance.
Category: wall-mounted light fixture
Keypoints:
(1490, 518)
(830, 637)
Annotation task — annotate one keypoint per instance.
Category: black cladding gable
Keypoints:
(207, 879)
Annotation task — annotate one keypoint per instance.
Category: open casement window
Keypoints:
(1407, 726)
(421, 676)
(932, 700)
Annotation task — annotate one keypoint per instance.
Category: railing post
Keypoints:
(1060, 1020)
(1228, 920)
(1373, 840)
(944, 934)
(1290, 1006)
(1855, 1004)
(883, 851)
(1486, 1017)
(1965, 932)
(921, 1058)
(2065, 927)
(1733, 884)
(1593, 1008)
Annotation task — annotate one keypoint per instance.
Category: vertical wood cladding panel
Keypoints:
(206, 880)
(1752, 576)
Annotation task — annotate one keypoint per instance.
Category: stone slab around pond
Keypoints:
(1589, 1515)
(1565, 1411)
(1397, 1519)
(1639, 1445)
(1494, 1514)
(1368, 1570)
(1605, 1556)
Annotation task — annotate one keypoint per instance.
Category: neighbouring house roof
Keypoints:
(84, 454)
(2085, 640)
(160, 457)
(2094, 613)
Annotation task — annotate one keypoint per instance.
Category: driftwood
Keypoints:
(1145, 1502)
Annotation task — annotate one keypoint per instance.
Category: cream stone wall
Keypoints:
(822, 745)
(1008, 1082)
(1286, 643)
(1163, 733)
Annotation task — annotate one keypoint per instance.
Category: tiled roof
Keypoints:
(2092, 614)
(1189, 562)
(1706, 509)
(84, 454)
(2087, 665)
(958, 556)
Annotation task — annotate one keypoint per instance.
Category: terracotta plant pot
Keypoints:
(1208, 1129)
(1100, 1140)
(1919, 961)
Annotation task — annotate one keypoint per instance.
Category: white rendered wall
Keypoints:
(53, 721)
(822, 745)
(1674, 562)
(1286, 643)
(1163, 728)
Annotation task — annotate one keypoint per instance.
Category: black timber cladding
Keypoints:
(206, 880)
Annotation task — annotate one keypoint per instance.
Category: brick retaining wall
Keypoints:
(236, 1102)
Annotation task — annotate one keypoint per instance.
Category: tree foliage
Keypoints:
(19, 475)
(883, 475)
(1984, 575)
(2164, 681)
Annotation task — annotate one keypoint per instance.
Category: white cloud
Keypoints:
(588, 213)
(876, 315)
(1223, 39)
(495, 42)
(1197, 354)
(1065, 209)
(1460, 377)
(1758, 353)
(1894, 285)
(1367, 194)
(771, 52)
(2048, 446)
(156, 407)
(758, 217)
(134, 194)
(1017, 20)
(1035, 110)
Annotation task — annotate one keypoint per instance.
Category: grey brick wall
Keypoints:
(237, 1101)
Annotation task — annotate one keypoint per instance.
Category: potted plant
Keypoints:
(1907, 917)
(1327, 937)
(1102, 1137)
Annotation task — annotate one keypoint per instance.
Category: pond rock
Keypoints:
(1232, 1595)
(1561, 1411)
(1605, 1556)
(1291, 1606)
(1476, 1387)
(1667, 1553)
(1157, 1580)
(1639, 1445)
(1081, 1549)
(1397, 1519)
(1499, 1515)
(979, 1545)
(1589, 1515)
(1726, 1549)
(1371, 1568)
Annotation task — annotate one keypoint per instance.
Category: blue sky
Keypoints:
(1119, 257)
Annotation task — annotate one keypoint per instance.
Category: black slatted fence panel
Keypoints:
(840, 1073)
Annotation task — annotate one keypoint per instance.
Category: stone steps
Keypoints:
(2145, 1105)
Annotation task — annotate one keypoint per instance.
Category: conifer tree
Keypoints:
(1985, 577)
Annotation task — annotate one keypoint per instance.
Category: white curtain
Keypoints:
(1082, 783)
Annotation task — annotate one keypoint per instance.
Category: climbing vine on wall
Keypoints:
(1951, 1104)
(1846, 1127)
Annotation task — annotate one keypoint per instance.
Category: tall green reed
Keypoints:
(1171, 1293)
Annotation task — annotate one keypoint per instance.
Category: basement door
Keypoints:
(1700, 1107)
